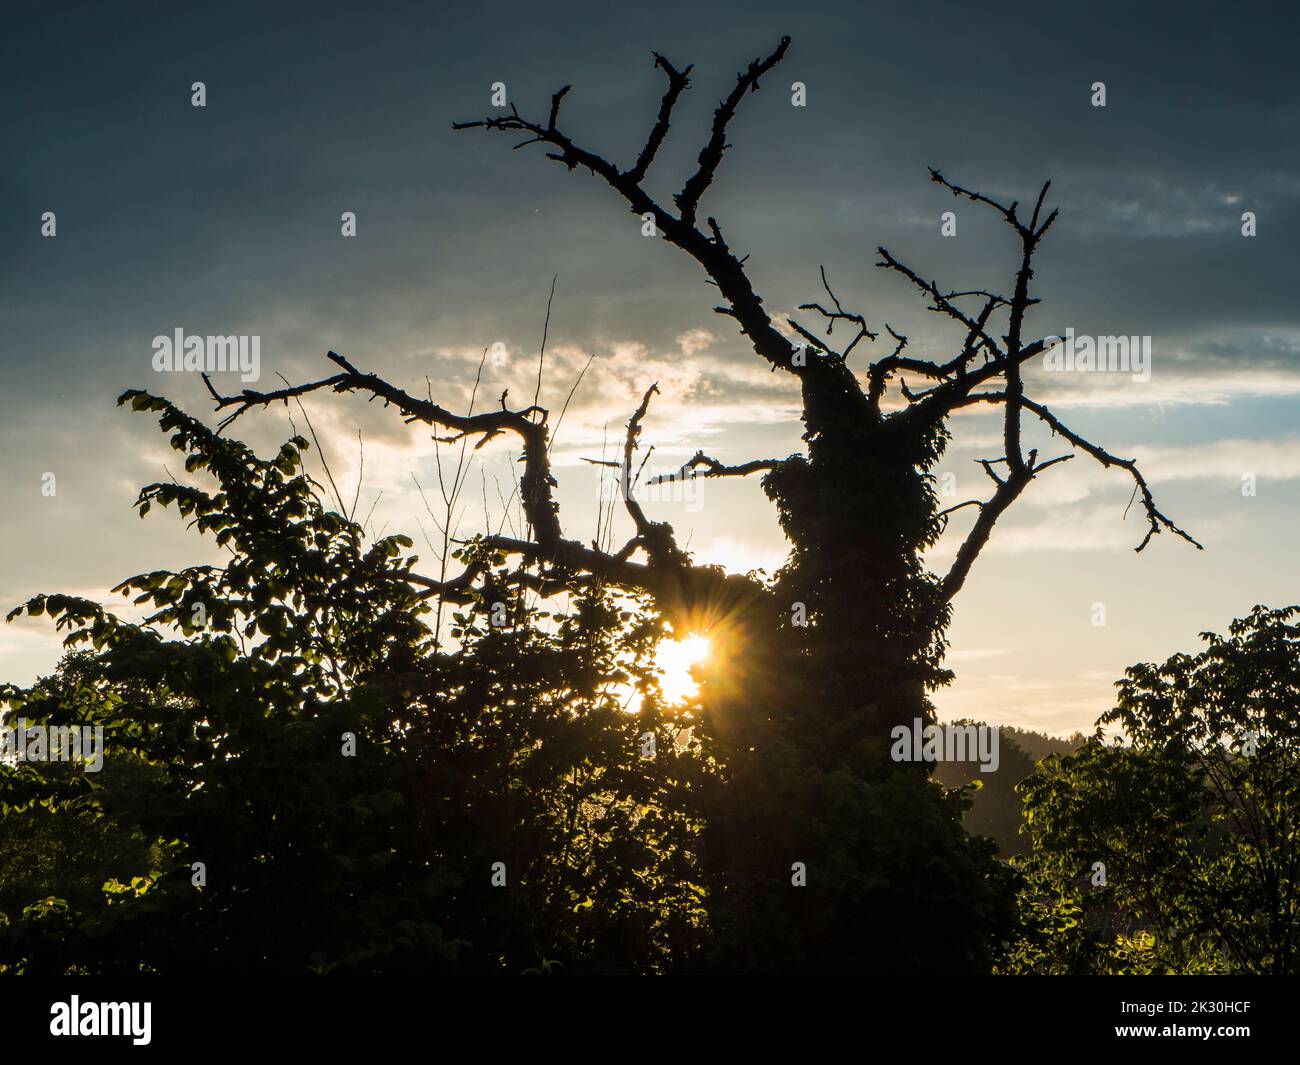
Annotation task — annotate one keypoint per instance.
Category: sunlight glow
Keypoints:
(675, 658)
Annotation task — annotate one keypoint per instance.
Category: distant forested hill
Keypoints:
(998, 810)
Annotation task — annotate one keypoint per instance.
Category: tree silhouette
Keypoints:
(858, 507)
(1195, 819)
(776, 834)
(847, 641)
(357, 798)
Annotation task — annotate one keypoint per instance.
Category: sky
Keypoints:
(226, 219)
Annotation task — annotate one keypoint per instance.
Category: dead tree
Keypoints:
(858, 507)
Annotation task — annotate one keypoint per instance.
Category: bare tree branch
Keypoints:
(711, 156)
(678, 82)
(838, 315)
(990, 510)
(1157, 521)
(714, 468)
(529, 424)
(656, 537)
(710, 250)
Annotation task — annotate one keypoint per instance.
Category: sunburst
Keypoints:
(675, 659)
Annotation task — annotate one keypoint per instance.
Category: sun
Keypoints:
(675, 659)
